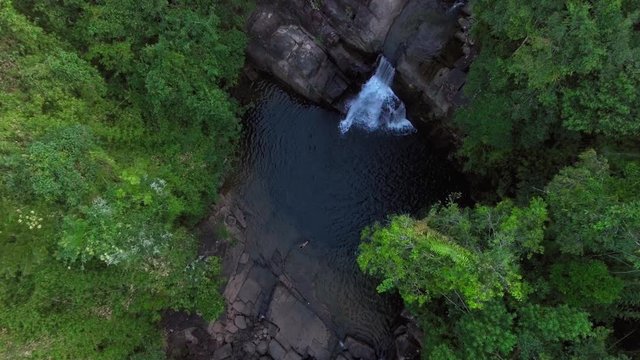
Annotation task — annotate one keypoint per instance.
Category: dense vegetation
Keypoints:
(115, 131)
(552, 79)
(548, 267)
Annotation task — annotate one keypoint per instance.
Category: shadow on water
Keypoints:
(301, 180)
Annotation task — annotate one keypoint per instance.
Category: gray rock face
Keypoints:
(231, 328)
(266, 316)
(316, 46)
(313, 338)
(427, 41)
(293, 55)
(276, 350)
(325, 49)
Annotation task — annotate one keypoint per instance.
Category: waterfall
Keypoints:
(457, 5)
(376, 106)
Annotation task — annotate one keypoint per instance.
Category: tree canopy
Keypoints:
(546, 280)
(551, 77)
(115, 131)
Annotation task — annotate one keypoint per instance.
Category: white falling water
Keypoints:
(457, 5)
(376, 107)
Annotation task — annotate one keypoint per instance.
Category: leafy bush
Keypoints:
(115, 130)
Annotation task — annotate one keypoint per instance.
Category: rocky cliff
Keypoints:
(325, 49)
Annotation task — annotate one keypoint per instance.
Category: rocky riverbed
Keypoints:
(293, 213)
(266, 316)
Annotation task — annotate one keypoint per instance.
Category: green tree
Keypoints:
(461, 254)
(550, 75)
(546, 281)
(585, 283)
(115, 131)
(595, 211)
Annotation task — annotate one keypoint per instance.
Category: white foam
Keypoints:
(376, 107)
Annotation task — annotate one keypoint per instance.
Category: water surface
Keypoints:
(302, 180)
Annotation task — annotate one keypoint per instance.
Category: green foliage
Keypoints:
(486, 332)
(61, 167)
(595, 212)
(477, 277)
(550, 75)
(544, 331)
(468, 255)
(115, 130)
(585, 283)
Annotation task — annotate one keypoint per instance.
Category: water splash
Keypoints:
(457, 5)
(376, 107)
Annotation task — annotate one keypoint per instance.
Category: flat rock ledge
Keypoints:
(265, 318)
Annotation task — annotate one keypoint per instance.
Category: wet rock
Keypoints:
(400, 330)
(288, 313)
(276, 350)
(188, 335)
(415, 333)
(345, 356)
(466, 9)
(262, 347)
(406, 349)
(223, 353)
(359, 349)
(292, 55)
(249, 348)
(239, 306)
(250, 291)
(239, 215)
(228, 338)
(292, 355)
(231, 328)
(324, 49)
(244, 258)
(214, 328)
(240, 322)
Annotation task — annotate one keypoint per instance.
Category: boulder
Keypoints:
(262, 347)
(240, 322)
(215, 327)
(294, 56)
(359, 349)
(231, 328)
(223, 352)
(276, 350)
(249, 348)
(188, 335)
(322, 49)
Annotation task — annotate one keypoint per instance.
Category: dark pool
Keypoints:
(301, 180)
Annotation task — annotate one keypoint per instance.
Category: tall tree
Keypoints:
(551, 76)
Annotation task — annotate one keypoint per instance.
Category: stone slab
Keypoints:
(288, 313)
